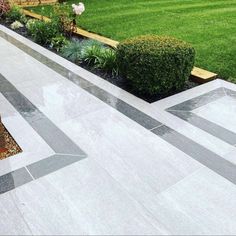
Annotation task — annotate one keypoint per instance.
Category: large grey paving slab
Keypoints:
(108, 133)
(11, 220)
(203, 203)
(82, 199)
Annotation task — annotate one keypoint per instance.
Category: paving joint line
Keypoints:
(156, 127)
(29, 173)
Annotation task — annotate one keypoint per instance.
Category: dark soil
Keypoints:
(124, 84)
(116, 80)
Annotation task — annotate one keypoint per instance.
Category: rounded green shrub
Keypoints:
(155, 64)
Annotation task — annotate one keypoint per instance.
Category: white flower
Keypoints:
(16, 25)
(78, 9)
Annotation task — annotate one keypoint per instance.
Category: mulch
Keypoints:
(11, 147)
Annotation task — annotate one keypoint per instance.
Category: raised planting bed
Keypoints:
(115, 79)
(198, 75)
(208, 25)
(162, 69)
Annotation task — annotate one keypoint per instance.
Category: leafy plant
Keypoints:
(155, 64)
(64, 19)
(42, 32)
(232, 80)
(72, 51)
(4, 8)
(16, 14)
(59, 42)
(91, 51)
(106, 61)
(29, 23)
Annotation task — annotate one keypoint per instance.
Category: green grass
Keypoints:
(210, 25)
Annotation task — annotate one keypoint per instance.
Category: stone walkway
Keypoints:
(97, 160)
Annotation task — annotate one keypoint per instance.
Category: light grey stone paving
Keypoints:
(82, 199)
(198, 205)
(140, 175)
(11, 220)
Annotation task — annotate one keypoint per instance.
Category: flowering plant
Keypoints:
(78, 9)
(16, 25)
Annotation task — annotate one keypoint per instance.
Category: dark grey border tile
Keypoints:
(198, 152)
(14, 179)
(183, 111)
(53, 136)
(126, 109)
(51, 164)
(198, 101)
(131, 112)
(46, 61)
(208, 126)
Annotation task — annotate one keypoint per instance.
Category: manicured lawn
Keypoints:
(210, 25)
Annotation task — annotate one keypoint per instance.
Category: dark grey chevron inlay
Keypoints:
(67, 152)
(184, 111)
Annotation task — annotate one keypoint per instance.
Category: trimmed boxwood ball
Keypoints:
(155, 64)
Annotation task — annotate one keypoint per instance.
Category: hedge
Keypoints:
(155, 64)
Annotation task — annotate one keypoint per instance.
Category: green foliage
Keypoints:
(98, 56)
(72, 51)
(155, 64)
(42, 32)
(208, 25)
(91, 51)
(59, 42)
(16, 14)
(107, 61)
(232, 80)
(64, 18)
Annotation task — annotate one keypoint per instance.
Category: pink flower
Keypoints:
(78, 9)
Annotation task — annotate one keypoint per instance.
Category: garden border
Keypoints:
(198, 75)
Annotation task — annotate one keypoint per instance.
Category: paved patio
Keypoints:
(97, 160)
